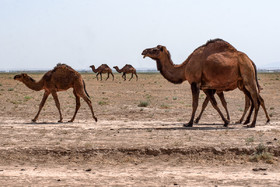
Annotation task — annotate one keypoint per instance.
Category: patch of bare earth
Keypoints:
(132, 145)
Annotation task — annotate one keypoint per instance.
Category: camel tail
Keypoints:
(258, 85)
(85, 89)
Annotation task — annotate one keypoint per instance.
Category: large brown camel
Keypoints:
(214, 66)
(104, 68)
(61, 78)
(125, 70)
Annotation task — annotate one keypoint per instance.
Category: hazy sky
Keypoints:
(37, 34)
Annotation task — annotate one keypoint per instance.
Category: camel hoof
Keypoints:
(226, 123)
(246, 122)
(196, 121)
(95, 119)
(60, 121)
(70, 121)
(34, 120)
(250, 126)
(188, 125)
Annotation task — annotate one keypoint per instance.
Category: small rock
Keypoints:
(88, 170)
(269, 142)
(275, 139)
(58, 180)
(22, 170)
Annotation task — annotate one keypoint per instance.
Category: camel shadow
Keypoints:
(205, 127)
(44, 123)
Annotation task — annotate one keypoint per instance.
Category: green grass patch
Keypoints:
(143, 104)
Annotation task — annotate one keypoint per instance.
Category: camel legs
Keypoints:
(254, 97)
(97, 75)
(107, 76)
(46, 94)
(204, 105)
(206, 101)
(247, 105)
(251, 110)
(87, 100)
(124, 76)
(136, 76)
(54, 94)
(112, 75)
(131, 76)
(210, 94)
(195, 96)
(78, 104)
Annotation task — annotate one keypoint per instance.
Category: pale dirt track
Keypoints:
(133, 145)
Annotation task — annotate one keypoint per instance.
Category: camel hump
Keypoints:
(219, 45)
(105, 65)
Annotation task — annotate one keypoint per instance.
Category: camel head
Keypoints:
(116, 67)
(156, 53)
(23, 77)
(92, 67)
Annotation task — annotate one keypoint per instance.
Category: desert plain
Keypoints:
(139, 139)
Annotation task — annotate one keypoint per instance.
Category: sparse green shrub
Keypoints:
(10, 89)
(261, 153)
(143, 104)
(102, 103)
(164, 106)
(26, 98)
(174, 98)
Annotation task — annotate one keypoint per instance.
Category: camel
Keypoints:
(125, 70)
(213, 67)
(104, 68)
(61, 78)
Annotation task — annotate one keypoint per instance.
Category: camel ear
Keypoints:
(24, 75)
(160, 47)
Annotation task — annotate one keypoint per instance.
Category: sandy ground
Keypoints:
(132, 145)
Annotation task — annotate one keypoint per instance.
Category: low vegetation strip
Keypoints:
(31, 154)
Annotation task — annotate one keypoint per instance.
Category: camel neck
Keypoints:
(37, 86)
(173, 73)
(118, 70)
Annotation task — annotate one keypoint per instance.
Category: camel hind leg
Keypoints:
(131, 76)
(78, 104)
(112, 75)
(46, 94)
(81, 92)
(264, 109)
(107, 76)
(136, 76)
(204, 105)
(54, 94)
(247, 106)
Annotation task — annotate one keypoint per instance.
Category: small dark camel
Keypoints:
(61, 78)
(125, 70)
(104, 68)
(213, 67)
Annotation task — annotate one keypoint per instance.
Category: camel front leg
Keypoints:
(78, 104)
(210, 94)
(204, 105)
(224, 103)
(107, 76)
(131, 76)
(124, 76)
(54, 94)
(136, 77)
(195, 95)
(97, 75)
(46, 94)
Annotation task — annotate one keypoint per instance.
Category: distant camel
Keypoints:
(125, 70)
(104, 68)
(214, 66)
(61, 78)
